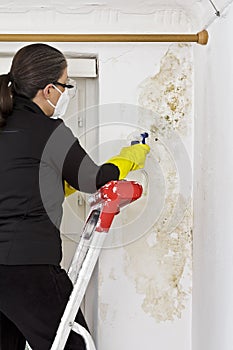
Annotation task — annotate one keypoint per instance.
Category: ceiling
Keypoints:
(200, 12)
(143, 6)
(131, 5)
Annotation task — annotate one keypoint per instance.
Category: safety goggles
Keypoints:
(70, 84)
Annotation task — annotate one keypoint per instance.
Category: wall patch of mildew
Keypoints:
(107, 313)
(160, 263)
(170, 92)
(103, 311)
(162, 271)
(112, 275)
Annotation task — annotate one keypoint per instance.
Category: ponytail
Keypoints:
(33, 67)
(6, 100)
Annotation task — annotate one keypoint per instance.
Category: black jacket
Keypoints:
(37, 154)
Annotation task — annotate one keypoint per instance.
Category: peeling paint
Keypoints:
(160, 263)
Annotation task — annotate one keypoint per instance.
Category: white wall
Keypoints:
(145, 271)
(213, 190)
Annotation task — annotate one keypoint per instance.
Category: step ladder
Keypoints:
(105, 204)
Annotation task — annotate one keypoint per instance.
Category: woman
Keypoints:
(38, 154)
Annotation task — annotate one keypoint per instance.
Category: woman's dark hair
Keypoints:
(33, 67)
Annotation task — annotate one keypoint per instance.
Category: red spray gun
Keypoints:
(111, 198)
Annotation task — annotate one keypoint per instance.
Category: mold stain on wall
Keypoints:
(160, 262)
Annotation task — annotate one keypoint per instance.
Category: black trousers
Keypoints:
(32, 301)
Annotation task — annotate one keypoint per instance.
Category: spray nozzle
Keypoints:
(141, 138)
(144, 136)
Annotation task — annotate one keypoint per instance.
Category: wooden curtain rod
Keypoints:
(200, 38)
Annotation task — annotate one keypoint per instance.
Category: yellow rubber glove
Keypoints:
(130, 158)
(69, 189)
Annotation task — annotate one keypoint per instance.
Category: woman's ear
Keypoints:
(42, 97)
(47, 91)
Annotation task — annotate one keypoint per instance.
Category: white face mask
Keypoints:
(62, 104)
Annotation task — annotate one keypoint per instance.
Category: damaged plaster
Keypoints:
(169, 93)
(160, 262)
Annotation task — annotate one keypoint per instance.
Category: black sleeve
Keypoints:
(82, 173)
(75, 165)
